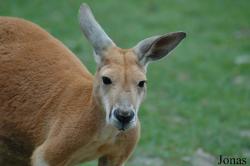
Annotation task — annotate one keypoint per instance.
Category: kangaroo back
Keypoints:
(35, 72)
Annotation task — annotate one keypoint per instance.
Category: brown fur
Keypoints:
(47, 102)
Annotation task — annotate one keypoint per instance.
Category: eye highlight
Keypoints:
(106, 80)
(141, 84)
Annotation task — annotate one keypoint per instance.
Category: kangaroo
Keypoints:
(54, 112)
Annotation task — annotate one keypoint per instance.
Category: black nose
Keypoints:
(124, 116)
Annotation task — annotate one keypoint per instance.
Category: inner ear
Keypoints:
(156, 47)
(164, 44)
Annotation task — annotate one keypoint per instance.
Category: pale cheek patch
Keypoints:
(138, 103)
(107, 108)
(37, 159)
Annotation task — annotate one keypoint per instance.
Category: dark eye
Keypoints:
(141, 84)
(106, 80)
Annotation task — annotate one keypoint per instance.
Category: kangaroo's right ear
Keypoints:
(93, 32)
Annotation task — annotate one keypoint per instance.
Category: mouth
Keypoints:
(124, 126)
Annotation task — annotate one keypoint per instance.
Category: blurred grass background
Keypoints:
(199, 97)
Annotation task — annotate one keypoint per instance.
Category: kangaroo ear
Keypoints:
(94, 32)
(156, 47)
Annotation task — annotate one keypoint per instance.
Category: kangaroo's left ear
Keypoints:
(156, 47)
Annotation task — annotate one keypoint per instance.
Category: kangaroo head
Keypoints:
(120, 79)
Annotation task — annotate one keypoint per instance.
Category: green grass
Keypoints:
(199, 97)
